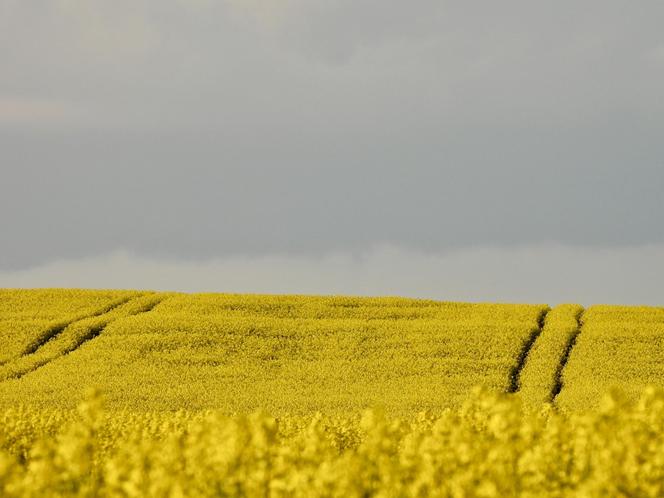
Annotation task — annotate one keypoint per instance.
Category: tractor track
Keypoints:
(515, 373)
(90, 334)
(564, 359)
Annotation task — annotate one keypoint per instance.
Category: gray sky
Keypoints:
(200, 132)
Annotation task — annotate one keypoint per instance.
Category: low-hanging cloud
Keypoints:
(549, 274)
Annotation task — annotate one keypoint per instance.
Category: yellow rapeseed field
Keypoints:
(122, 393)
(29, 317)
(619, 346)
(282, 354)
(488, 447)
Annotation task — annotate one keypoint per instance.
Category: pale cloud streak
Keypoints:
(39, 112)
(542, 274)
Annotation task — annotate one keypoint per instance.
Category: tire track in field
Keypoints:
(558, 380)
(54, 331)
(95, 331)
(515, 373)
(90, 334)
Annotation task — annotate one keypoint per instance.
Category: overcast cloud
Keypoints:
(289, 132)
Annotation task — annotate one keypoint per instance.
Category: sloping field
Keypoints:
(283, 354)
(302, 354)
(182, 376)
